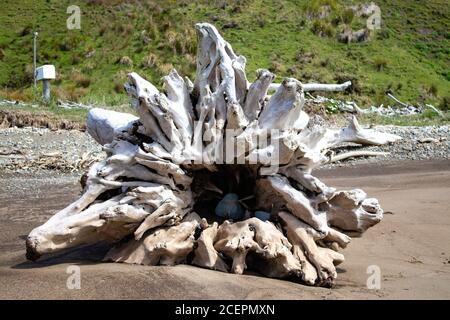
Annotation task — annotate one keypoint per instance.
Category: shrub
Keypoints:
(139, 48)
(433, 90)
(260, 21)
(343, 77)
(165, 68)
(80, 80)
(190, 41)
(325, 62)
(276, 66)
(153, 31)
(25, 31)
(88, 67)
(380, 63)
(21, 77)
(383, 34)
(347, 16)
(304, 57)
(75, 94)
(305, 76)
(238, 6)
(126, 61)
(145, 38)
(174, 42)
(322, 28)
(331, 108)
(292, 71)
(14, 95)
(445, 104)
(191, 59)
(84, 82)
(58, 79)
(76, 59)
(118, 87)
(102, 30)
(230, 25)
(320, 8)
(166, 25)
(124, 29)
(149, 61)
(70, 42)
(70, 94)
(446, 75)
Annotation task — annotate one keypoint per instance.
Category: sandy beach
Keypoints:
(411, 246)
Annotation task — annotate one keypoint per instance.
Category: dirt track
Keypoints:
(411, 246)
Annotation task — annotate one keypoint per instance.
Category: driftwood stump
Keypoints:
(155, 194)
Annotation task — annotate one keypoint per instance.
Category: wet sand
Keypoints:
(411, 246)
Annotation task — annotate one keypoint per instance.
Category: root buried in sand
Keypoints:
(194, 144)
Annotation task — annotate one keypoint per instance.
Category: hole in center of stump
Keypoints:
(228, 193)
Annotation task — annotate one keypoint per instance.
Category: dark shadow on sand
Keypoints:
(340, 270)
(82, 255)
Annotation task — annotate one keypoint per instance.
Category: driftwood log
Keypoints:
(154, 196)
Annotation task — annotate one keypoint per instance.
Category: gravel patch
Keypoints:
(418, 143)
(24, 150)
(40, 150)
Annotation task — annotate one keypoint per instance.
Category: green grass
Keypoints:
(409, 56)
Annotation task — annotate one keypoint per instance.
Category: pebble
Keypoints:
(72, 144)
(410, 147)
(33, 142)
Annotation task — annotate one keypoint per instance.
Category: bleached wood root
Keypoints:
(257, 91)
(326, 139)
(205, 254)
(160, 216)
(283, 194)
(396, 100)
(355, 133)
(237, 240)
(324, 260)
(308, 87)
(165, 246)
(434, 109)
(310, 183)
(353, 154)
(104, 125)
(284, 108)
(309, 272)
(353, 211)
(194, 143)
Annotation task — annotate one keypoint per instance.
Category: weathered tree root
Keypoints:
(175, 159)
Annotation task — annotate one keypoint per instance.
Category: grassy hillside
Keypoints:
(409, 56)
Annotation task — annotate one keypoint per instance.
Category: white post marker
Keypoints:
(46, 73)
